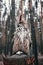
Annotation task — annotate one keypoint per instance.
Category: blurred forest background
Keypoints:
(9, 14)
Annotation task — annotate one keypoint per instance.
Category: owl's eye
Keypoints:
(17, 25)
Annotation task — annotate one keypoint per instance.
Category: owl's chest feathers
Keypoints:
(22, 34)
